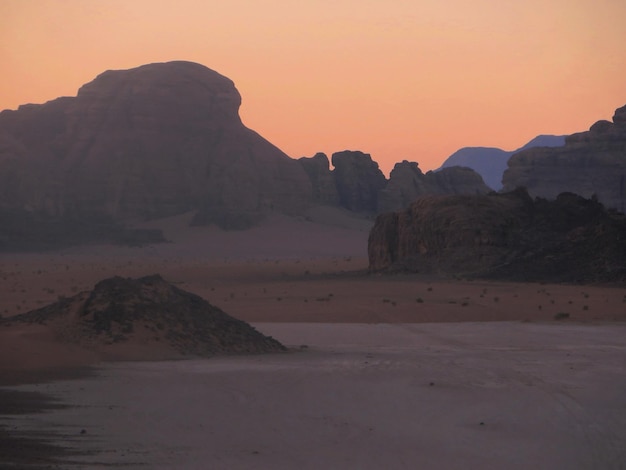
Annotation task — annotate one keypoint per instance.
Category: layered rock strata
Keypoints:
(153, 141)
(592, 163)
(508, 236)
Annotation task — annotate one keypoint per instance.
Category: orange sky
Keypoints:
(400, 79)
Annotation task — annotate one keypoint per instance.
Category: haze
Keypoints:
(397, 79)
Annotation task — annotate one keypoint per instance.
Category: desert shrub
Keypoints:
(561, 316)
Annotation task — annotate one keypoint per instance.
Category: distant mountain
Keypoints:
(491, 162)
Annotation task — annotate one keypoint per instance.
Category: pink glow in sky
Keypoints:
(400, 79)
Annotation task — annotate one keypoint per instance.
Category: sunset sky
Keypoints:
(399, 79)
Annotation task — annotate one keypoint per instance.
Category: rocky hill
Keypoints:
(590, 163)
(491, 162)
(144, 315)
(505, 236)
(153, 141)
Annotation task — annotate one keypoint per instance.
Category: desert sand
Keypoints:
(436, 396)
(395, 371)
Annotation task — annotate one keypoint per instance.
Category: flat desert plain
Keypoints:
(396, 371)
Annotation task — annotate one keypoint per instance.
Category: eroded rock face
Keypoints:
(147, 312)
(407, 183)
(322, 179)
(358, 180)
(156, 140)
(358, 185)
(508, 236)
(590, 163)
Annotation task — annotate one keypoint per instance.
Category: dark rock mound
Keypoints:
(590, 163)
(148, 311)
(506, 236)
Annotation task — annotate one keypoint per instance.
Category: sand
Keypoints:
(357, 392)
(437, 396)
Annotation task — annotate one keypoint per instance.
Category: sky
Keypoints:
(399, 79)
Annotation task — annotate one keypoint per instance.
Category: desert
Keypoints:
(178, 292)
(395, 371)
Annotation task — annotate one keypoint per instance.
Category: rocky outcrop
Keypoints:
(507, 236)
(490, 163)
(590, 163)
(152, 141)
(146, 313)
(407, 183)
(357, 184)
(358, 180)
(322, 179)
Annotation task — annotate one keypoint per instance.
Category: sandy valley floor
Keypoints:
(432, 396)
(386, 371)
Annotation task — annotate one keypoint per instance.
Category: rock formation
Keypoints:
(153, 141)
(491, 162)
(358, 180)
(148, 314)
(407, 183)
(590, 163)
(322, 179)
(508, 236)
(357, 184)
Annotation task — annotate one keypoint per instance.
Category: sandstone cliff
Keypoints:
(508, 236)
(358, 180)
(357, 184)
(407, 183)
(322, 179)
(590, 163)
(152, 141)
